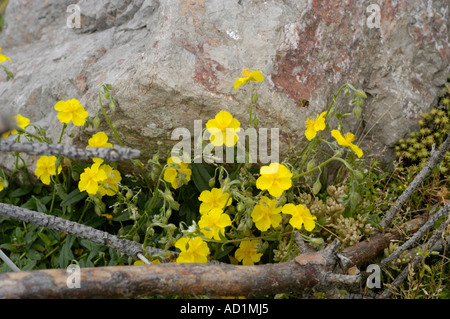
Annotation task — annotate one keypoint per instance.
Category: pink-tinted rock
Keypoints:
(175, 61)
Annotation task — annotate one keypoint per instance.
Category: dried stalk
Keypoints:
(417, 236)
(435, 158)
(128, 247)
(117, 153)
(417, 259)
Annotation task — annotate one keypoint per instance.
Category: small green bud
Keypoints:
(357, 110)
(98, 210)
(75, 176)
(354, 198)
(212, 182)
(255, 121)
(240, 207)
(316, 187)
(255, 97)
(358, 175)
(129, 194)
(311, 164)
(96, 122)
(112, 106)
(361, 93)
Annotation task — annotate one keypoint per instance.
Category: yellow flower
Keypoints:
(276, 178)
(193, 250)
(3, 184)
(247, 253)
(21, 122)
(45, 167)
(346, 141)
(223, 129)
(266, 214)
(215, 221)
(99, 139)
(214, 199)
(300, 215)
(3, 58)
(90, 179)
(109, 186)
(254, 76)
(140, 262)
(314, 126)
(177, 173)
(108, 216)
(71, 110)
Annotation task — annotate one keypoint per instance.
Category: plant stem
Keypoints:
(53, 200)
(107, 118)
(62, 133)
(84, 212)
(320, 166)
(251, 105)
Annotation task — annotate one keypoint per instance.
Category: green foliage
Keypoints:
(158, 204)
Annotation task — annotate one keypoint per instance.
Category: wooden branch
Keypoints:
(370, 248)
(306, 272)
(128, 247)
(117, 153)
(435, 158)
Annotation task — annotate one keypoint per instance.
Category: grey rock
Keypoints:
(175, 61)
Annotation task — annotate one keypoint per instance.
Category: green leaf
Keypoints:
(39, 205)
(66, 252)
(191, 215)
(19, 192)
(29, 266)
(200, 177)
(47, 241)
(33, 255)
(223, 251)
(74, 197)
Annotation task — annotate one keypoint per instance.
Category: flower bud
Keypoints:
(357, 110)
(361, 93)
(75, 176)
(240, 207)
(316, 187)
(311, 164)
(358, 175)
(96, 122)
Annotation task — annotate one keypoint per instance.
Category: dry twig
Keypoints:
(116, 153)
(435, 158)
